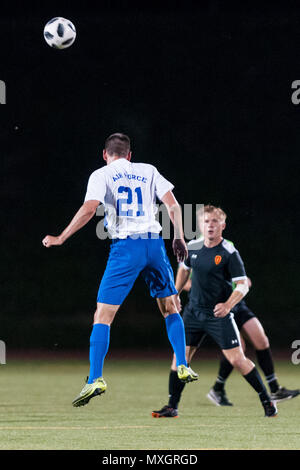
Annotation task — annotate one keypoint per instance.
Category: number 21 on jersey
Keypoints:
(128, 201)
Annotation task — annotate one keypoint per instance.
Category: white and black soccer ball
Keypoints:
(59, 33)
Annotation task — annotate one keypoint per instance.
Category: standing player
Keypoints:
(128, 192)
(251, 328)
(215, 264)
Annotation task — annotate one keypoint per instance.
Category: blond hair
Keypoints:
(210, 208)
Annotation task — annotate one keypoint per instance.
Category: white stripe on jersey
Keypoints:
(228, 246)
(128, 192)
(196, 244)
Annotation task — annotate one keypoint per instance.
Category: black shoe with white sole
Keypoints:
(219, 398)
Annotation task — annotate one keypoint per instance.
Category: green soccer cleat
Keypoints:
(89, 391)
(186, 374)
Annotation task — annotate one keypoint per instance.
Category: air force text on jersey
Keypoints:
(140, 178)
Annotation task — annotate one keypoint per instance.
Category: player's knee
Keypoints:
(238, 362)
(169, 306)
(104, 314)
(263, 343)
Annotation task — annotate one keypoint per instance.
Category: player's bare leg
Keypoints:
(238, 359)
(167, 305)
(105, 313)
(217, 393)
(255, 333)
(99, 343)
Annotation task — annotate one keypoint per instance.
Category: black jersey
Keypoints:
(214, 270)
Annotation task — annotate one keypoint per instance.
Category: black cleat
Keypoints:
(284, 394)
(165, 412)
(270, 409)
(219, 398)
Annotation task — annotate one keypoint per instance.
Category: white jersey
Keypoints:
(128, 192)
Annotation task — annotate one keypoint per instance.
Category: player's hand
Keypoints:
(179, 249)
(49, 240)
(178, 302)
(221, 310)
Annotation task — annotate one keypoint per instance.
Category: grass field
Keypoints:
(36, 411)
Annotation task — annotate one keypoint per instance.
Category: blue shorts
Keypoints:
(130, 257)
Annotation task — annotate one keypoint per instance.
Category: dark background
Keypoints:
(205, 95)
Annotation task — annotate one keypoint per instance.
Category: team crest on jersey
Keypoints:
(218, 259)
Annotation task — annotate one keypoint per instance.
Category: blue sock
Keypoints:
(176, 335)
(99, 342)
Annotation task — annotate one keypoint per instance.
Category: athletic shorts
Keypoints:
(200, 322)
(130, 257)
(242, 314)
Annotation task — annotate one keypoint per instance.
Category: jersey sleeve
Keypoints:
(236, 267)
(162, 185)
(96, 188)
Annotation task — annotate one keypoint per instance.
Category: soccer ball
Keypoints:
(59, 33)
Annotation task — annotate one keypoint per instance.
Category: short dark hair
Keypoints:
(118, 144)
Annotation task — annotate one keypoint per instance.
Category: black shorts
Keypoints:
(242, 314)
(198, 323)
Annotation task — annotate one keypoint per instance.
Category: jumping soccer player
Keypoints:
(128, 192)
(216, 264)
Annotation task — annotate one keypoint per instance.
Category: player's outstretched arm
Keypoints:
(222, 309)
(174, 211)
(81, 218)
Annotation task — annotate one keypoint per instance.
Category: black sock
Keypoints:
(176, 387)
(225, 370)
(265, 360)
(254, 379)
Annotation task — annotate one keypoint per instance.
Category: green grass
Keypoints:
(36, 411)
